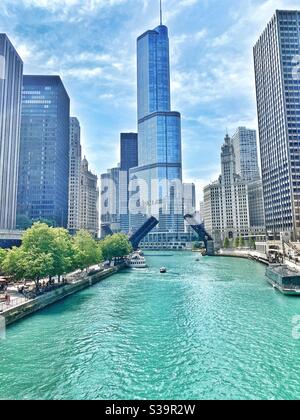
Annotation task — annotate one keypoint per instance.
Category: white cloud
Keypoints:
(81, 6)
(83, 73)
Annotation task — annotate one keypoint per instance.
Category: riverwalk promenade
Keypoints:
(19, 307)
(256, 256)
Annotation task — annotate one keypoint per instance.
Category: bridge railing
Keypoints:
(5, 306)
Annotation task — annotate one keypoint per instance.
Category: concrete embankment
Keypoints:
(250, 255)
(16, 313)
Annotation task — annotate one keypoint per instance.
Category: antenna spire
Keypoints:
(161, 15)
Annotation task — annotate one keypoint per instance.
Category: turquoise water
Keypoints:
(212, 329)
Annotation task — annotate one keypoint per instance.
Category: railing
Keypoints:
(5, 306)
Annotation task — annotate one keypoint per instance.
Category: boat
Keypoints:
(137, 260)
(163, 270)
(284, 279)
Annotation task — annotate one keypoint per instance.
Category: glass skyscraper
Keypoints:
(129, 159)
(159, 137)
(44, 154)
(276, 56)
(244, 142)
(11, 74)
(129, 151)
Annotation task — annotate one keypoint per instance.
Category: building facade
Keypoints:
(129, 160)
(43, 189)
(256, 207)
(278, 90)
(74, 176)
(11, 74)
(189, 203)
(158, 177)
(110, 198)
(226, 207)
(244, 142)
(89, 200)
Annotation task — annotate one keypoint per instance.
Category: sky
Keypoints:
(91, 44)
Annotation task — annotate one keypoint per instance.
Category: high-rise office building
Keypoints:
(189, 198)
(89, 200)
(201, 211)
(226, 211)
(129, 159)
(278, 93)
(189, 202)
(256, 206)
(159, 173)
(44, 154)
(110, 199)
(129, 151)
(74, 176)
(244, 142)
(11, 74)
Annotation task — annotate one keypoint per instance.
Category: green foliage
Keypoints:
(252, 244)
(48, 251)
(242, 242)
(23, 222)
(86, 250)
(226, 243)
(62, 252)
(115, 246)
(37, 265)
(2, 256)
(237, 242)
(48, 222)
(13, 264)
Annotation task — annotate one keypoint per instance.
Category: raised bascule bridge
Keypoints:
(136, 238)
(142, 232)
(14, 238)
(199, 228)
(203, 235)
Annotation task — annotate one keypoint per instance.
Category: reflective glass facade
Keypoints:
(129, 159)
(246, 157)
(11, 73)
(159, 135)
(276, 56)
(44, 155)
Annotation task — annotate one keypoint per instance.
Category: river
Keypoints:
(208, 329)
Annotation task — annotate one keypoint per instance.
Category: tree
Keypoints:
(52, 248)
(48, 222)
(23, 222)
(37, 265)
(252, 244)
(116, 246)
(13, 264)
(62, 252)
(226, 243)
(236, 242)
(242, 242)
(86, 250)
(3, 253)
(39, 250)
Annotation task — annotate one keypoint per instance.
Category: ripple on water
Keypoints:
(211, 329)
